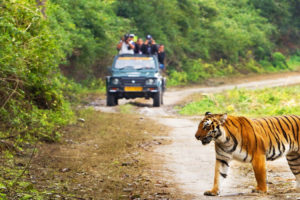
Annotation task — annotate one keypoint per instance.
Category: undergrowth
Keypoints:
(32, 89)
(198, 71)
(294, 60)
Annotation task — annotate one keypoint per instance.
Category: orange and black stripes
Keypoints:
(274, 135)
(278, 135)
(251, 140)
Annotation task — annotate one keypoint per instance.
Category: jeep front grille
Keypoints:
(133, 81)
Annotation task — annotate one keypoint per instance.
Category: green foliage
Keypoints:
(208, 38)
(31, 88)
(199, 35)
(279, 61)
(14, 182)
(263, 102)
(285, 16)
(211, 30)
(94, 84)
(197, 71)
(92, 30)
(294, 61)
(126, 109)
(177, 78)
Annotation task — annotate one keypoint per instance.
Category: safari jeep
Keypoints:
(134, 76)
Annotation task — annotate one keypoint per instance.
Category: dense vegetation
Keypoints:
(263, 102)
(204, 38)
(32, 102)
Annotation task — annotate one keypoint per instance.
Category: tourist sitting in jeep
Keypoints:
(138, 46)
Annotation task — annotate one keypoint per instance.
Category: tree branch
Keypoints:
(11, 94)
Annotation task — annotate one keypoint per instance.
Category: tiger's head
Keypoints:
(210, 127)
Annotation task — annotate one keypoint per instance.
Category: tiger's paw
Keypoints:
(211, 193)
(260, 191)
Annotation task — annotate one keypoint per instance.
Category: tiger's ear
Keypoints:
(207, 113)
(223, 118)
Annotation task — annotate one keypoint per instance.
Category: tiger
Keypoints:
(251, 140)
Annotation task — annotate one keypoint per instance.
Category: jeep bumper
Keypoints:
(146, 91)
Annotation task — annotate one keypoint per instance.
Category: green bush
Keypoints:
(195, 70)
(253, 66)
(294, 60)
(177, 78)
(267, 65)
(279, 61)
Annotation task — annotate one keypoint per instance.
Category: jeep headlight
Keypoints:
(115, 81)
(150, 81)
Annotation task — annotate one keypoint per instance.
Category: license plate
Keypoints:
(133, 89)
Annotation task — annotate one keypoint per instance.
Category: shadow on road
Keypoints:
(140, 104)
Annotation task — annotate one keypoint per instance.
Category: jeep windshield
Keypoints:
(135, 63)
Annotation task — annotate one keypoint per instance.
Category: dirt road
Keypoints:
(191, 165)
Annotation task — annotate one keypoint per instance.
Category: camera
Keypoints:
(149, 38)
(126, 36)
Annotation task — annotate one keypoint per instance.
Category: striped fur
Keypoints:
(251, 140)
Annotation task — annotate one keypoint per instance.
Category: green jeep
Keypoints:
(134, 76)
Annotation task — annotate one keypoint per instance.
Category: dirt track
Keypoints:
(191, 165)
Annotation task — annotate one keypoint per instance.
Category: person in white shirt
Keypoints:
(126, 45)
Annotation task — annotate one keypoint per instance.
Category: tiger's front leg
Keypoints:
(259, 167)
(221, 169)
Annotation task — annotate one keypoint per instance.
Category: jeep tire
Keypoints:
(157, 99)
(111, 100)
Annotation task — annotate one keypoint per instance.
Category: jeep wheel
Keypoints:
(157, 99)
(116, 101)
(110, 100)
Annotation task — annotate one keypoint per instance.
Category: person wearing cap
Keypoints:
(126, 45)
(131, 36)
(149, 46)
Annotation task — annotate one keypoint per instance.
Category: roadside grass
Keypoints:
(109, 156)
(252, 103)
(294, 62)
(126, 108)
(85, 96)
